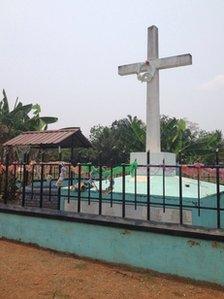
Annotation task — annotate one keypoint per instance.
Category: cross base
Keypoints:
(155, 159)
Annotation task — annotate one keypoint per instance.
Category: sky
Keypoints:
(64, 55)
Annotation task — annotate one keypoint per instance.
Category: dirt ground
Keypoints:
(29, 272)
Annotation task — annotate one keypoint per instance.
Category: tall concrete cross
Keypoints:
(148, 71)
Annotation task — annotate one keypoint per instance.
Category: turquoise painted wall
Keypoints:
(193, 258)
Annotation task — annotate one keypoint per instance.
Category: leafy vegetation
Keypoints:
(20, 118)
(113, 144)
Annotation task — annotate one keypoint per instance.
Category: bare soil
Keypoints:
(30, 272)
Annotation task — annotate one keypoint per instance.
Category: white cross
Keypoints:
(148, 71)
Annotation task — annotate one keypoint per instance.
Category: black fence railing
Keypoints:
(183, 194)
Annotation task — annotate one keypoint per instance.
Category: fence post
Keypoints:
(199, 193)
(123, 190)
(148, 186)
(111, 184)
(59, 172)
(218, 188)
(90, 181)
(100, 189)
(41, 179)
(69, 181)
(135, 187)
(24, 180)
(14, 181)
(164, 187)
(50, 182)
(180, 191)
(79, 188)
(6, 193)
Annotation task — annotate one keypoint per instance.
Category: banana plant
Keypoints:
(21, 118)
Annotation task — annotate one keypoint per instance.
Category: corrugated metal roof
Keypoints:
(51, 138)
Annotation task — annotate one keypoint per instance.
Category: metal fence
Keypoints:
(61, 185)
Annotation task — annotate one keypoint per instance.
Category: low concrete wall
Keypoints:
(191, 215)
(121, 241)
(140, 212)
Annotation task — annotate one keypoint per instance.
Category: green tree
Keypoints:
(204, 146)
(176, 137)
(113, 144)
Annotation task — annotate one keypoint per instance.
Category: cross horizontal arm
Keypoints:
(173, 61)
(160, 63)
(130, 69)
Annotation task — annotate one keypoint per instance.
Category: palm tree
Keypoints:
(175, 135)
(191, 144)
(138, 129)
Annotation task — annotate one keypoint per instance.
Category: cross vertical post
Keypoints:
(152, 97)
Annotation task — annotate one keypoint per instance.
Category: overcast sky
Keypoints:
(64, 56)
